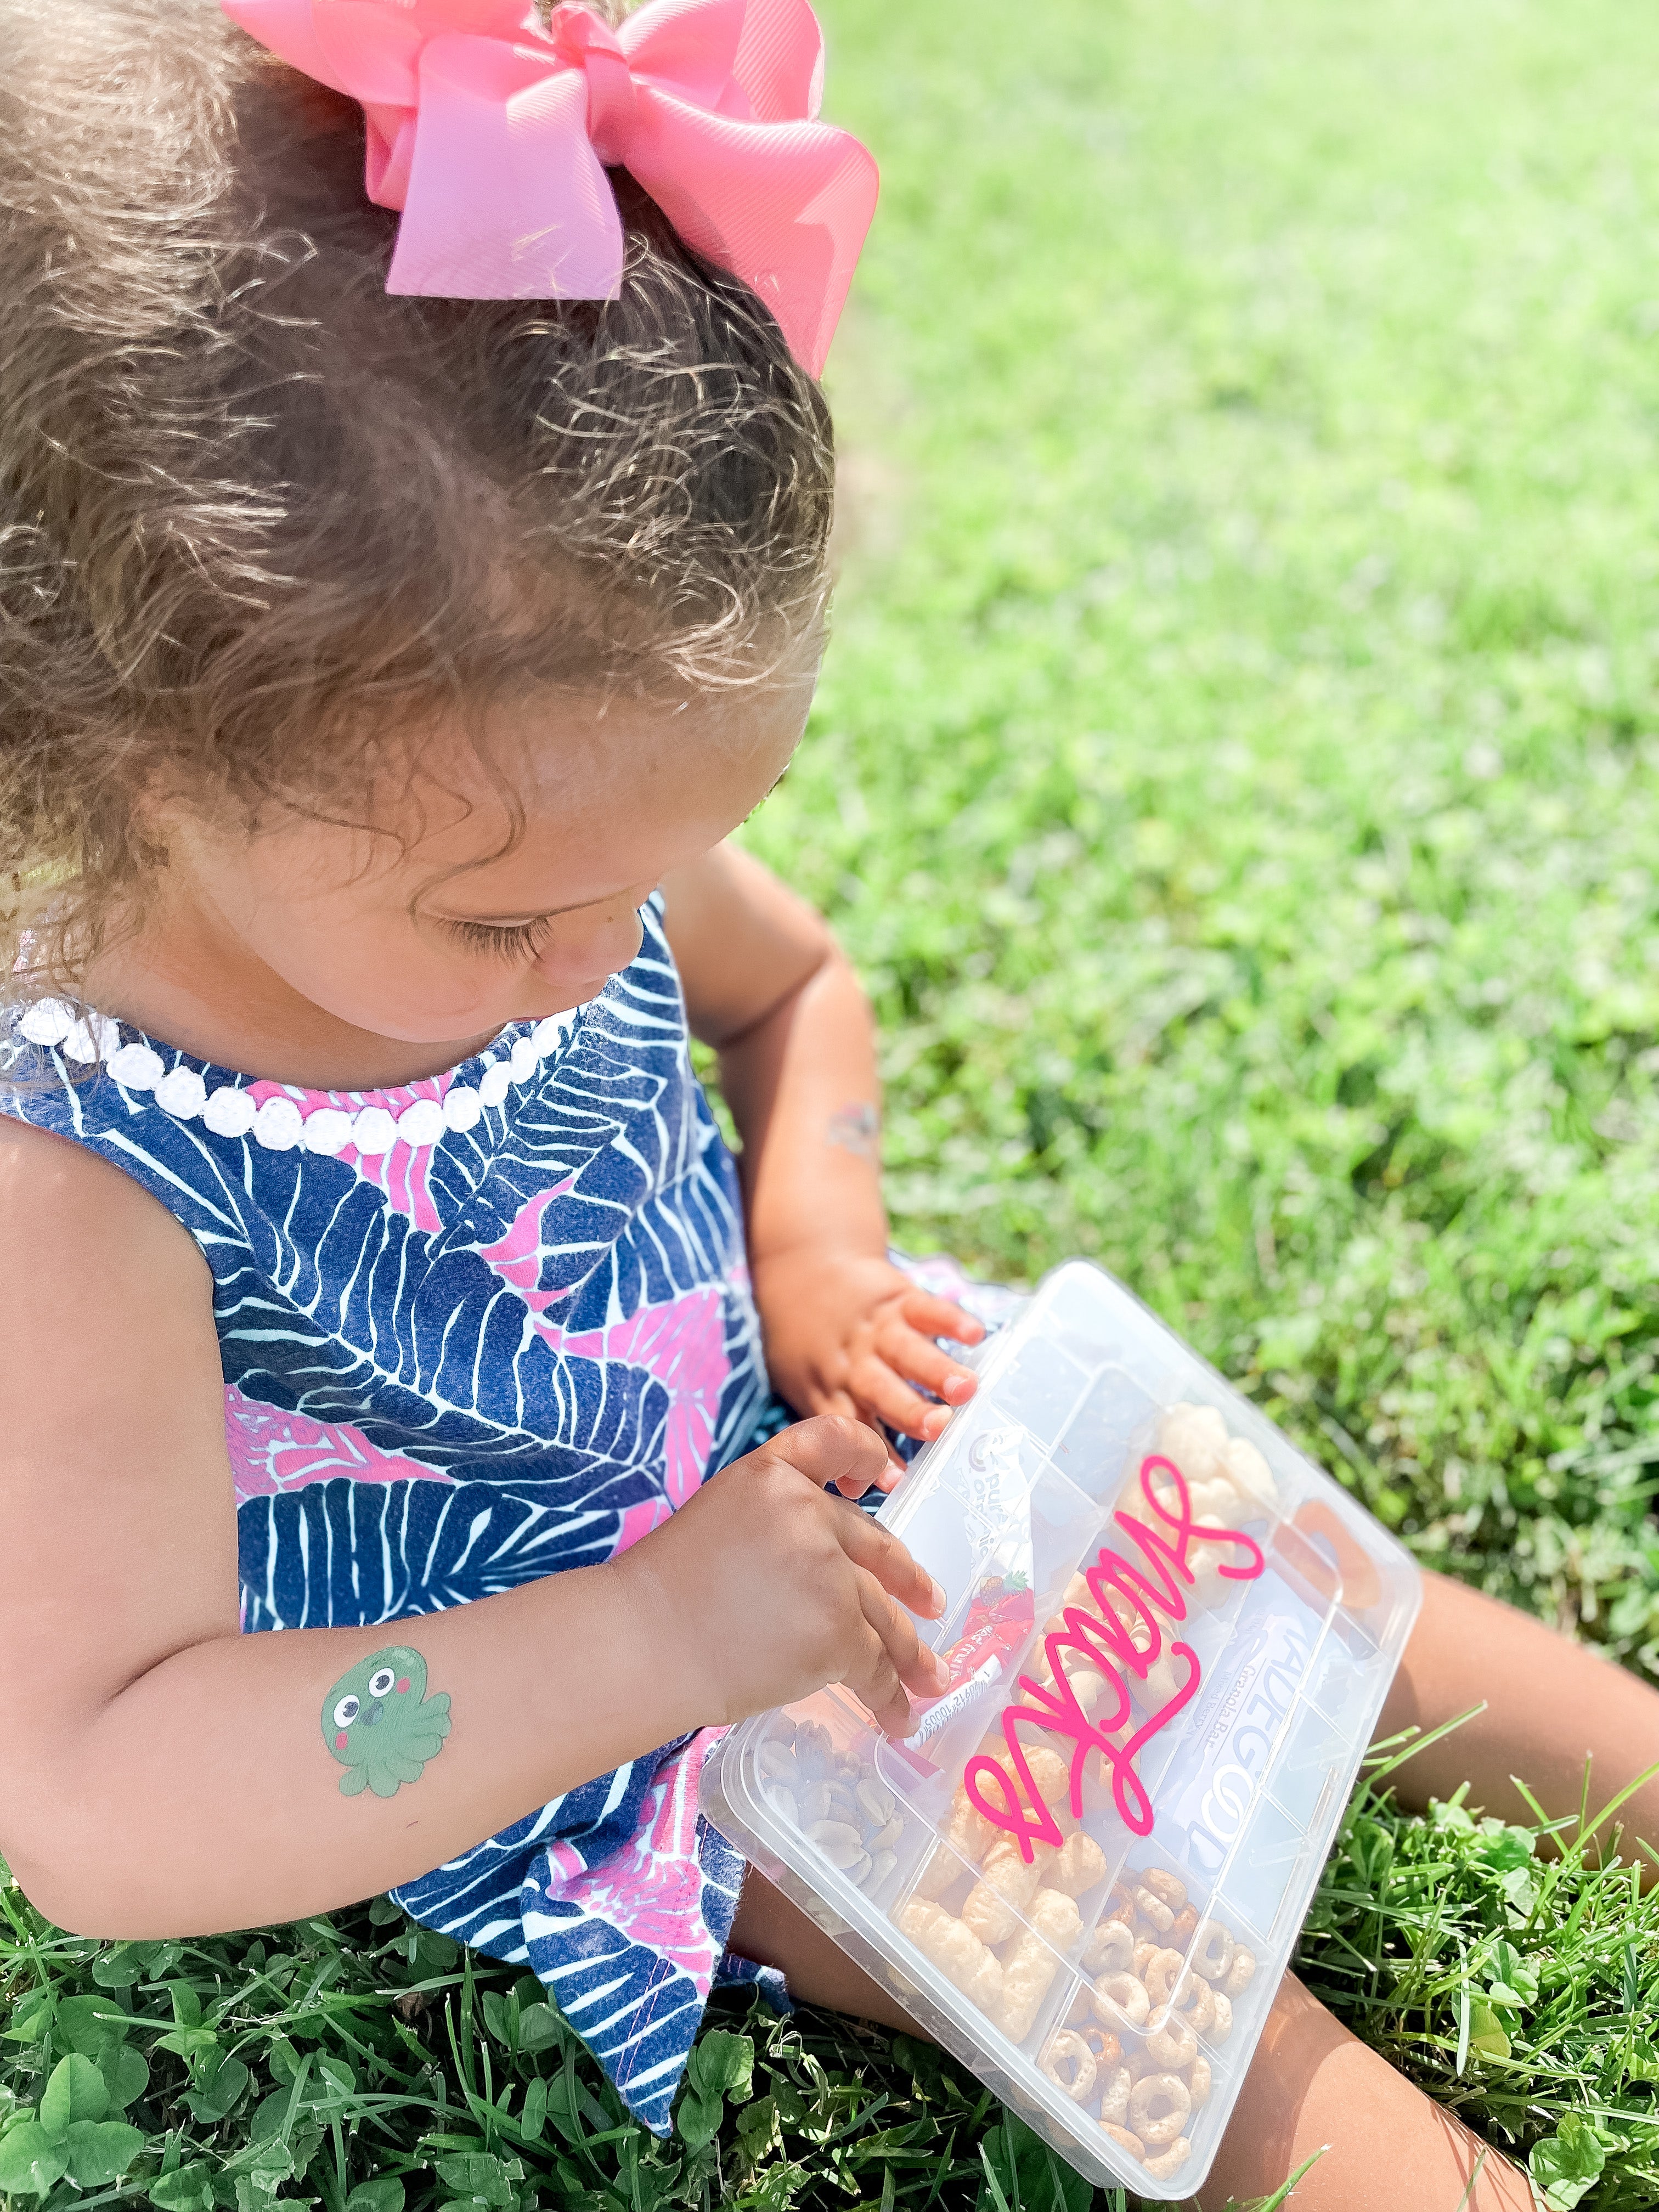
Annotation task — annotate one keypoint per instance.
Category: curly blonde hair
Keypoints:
(257, 516)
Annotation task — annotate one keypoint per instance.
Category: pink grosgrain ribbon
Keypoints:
(493, 137)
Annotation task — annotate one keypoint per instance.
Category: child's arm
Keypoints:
(164, 1774)
(766, 985)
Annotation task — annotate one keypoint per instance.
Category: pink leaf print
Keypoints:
(271, 1452)
(516, 1257)
(682, 1345)
(640, 1520)
(651, 1890)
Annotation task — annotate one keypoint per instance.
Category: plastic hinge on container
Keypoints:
(1170, 1636)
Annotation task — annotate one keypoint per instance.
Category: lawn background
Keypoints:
(1235, 776)
(1234, 772)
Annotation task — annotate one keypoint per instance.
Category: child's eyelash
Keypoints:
(521, 941)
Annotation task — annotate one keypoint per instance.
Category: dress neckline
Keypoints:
(287, 1116)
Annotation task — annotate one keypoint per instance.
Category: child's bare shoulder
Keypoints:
(69, 1212)
(102, 1294)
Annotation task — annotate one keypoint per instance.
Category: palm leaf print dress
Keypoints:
(473, 1331)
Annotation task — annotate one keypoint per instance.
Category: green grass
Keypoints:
(1235, 775)
(1512, 1977)
(361, 2064)
(1235, 768)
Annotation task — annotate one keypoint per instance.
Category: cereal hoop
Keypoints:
(1070, 2064)
(1120, 1998)
(1158, 2106)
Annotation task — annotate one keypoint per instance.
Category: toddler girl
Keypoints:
(383, 675)
(403, 592)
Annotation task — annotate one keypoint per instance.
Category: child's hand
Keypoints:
(765, 1586)
(848, 1333)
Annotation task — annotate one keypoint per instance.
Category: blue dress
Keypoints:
(473, 1330)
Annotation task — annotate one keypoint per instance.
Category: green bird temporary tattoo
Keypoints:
(380, 1724)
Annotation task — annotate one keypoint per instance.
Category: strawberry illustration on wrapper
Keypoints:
(998, 1625)
(999, 1621)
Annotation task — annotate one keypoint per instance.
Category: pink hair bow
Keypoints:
(493, 138)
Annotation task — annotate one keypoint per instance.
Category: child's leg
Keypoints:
(773, 1932)
(1310, 2082)
(1550, 1706)
(1387, 2148)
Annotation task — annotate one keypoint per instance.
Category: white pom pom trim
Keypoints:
(328, 1131)
(94, 1038)
(47, 1024)
(136, 1067)
(281, 1124)
(182, 1094)
(229, 1112)
(373, 1131)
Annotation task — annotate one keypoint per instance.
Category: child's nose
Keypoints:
(603, 948)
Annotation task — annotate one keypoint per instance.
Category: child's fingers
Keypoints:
(844, 1406)
(895, 1468)
(919, 1359)
(873, 1680)
(880, 1555)
(838, 1449)
(891, 1399)
(921, 1671)
(941, 1317)
(889, 1656)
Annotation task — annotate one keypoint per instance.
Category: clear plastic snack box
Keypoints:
(1170, 1636)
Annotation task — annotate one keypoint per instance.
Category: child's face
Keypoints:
(425, 930)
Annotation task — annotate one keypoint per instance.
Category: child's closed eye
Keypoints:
(518, 940)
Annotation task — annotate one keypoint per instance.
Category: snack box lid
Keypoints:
(1170, 1636)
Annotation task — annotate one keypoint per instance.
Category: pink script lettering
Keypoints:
(1124, 1637)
